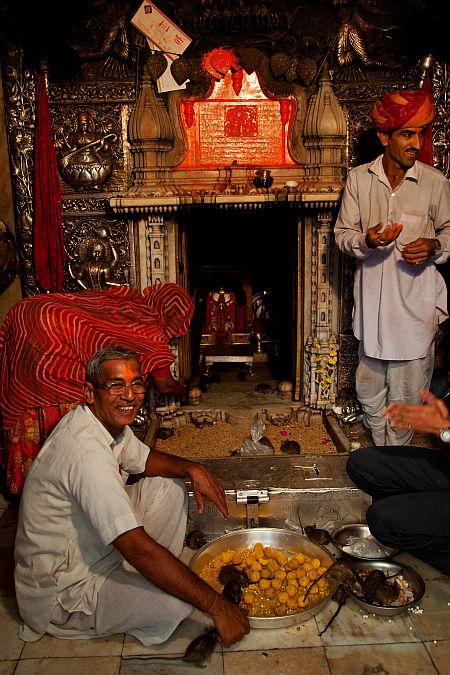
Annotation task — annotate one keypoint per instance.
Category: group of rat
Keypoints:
(97, 554)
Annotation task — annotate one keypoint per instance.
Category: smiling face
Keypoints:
(115, 412)
(402, 147)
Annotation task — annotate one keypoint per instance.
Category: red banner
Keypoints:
(48, 238)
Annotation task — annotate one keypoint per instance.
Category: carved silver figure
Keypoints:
(89, 161)
(97, 259)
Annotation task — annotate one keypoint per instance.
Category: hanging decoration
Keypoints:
(48, 244)
(219, 61)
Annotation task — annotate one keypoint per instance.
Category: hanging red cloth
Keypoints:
(426, 151)
(48, 239)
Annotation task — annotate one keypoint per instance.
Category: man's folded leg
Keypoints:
(126, 603)
(393, 470)
(418, 523)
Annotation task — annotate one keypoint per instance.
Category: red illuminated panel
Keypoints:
(245, 128)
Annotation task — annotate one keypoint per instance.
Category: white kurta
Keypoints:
(396, 306)
(73, 506)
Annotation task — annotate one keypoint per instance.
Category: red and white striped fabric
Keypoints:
(46, 340)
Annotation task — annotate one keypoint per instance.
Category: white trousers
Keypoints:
(127, 602)
(380, 383)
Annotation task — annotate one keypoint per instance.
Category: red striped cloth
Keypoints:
(46, 340)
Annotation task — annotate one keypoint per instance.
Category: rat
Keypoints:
(386, 593)
(317, 535)
(341, 572)
(232, 591)
(290, 447)
(165, 432)
(370, 584)
(195, 539)
(340, 596)
(231, 573)
(263, 388)
(198, 652)
(376, 589)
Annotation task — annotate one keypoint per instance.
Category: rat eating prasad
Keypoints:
(341, 572)
(376, 589)
(232, 573)
(232, 591)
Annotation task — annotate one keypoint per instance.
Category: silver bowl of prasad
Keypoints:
(356, 541)
(408, 586)
(279, 566)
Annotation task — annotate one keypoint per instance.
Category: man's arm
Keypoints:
(165, 571)
(429, 418)
(348, 233)
(203, 483)
(421, 250)
(442, 224)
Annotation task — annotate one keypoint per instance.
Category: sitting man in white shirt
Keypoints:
(96, 557)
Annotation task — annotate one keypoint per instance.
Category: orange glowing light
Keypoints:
(237, 124)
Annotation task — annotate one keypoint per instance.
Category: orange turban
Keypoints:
(400, 109)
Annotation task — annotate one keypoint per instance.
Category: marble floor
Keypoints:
(409, 644)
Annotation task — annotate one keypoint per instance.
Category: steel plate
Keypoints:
(341, 535)
(414, 579)
(279, 539)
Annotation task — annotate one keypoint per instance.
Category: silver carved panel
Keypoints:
(104, 121)
(19, 98)
(98, 253)
(441, 127)
(94, 92)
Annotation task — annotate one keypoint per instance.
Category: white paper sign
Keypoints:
(161, 30)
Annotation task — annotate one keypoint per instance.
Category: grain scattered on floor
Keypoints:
(222, 438)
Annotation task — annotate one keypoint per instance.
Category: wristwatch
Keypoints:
(437, 244)
(444, 435)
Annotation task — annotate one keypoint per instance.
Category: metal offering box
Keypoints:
(282, 492)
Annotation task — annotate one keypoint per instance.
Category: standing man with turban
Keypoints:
(395, 220)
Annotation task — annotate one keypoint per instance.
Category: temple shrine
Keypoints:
(207, 145)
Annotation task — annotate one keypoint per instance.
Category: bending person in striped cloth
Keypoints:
(46, 341)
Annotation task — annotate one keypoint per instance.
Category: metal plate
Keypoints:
(341, 536)
(414, 579)
(279, 539)
(302, 472)
(296, 494)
